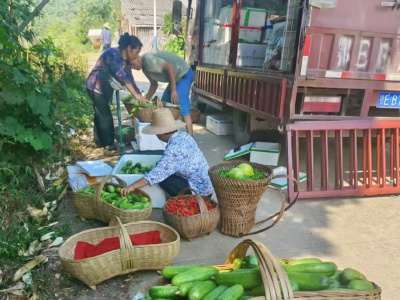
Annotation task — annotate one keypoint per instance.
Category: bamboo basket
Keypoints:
(92, 207)
(272, 271)
(195, 115)
(129, 106)
(128, 259)
(238, 199)
(176, 112)
(127, 138)
(192, 226)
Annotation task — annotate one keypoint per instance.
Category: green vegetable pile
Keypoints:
(242, 172)
(127, 130)
(129, 168)
(111, 195)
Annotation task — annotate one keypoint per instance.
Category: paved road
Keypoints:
(361, 233)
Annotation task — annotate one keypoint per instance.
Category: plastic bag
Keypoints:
(141, 296)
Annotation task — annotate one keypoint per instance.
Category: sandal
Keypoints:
(111, 151)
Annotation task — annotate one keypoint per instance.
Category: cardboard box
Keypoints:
(220, 125)
(260, 152)
(156, 193)
(147, 141)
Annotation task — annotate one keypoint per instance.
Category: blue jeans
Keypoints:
(183, 90)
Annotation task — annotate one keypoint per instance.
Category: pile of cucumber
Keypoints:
(245, 281)
(111, 195)
(138, 168)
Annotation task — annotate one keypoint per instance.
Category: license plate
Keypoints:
(389, 100)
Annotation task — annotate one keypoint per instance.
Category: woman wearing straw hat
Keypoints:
(182, 165)
(106, 34)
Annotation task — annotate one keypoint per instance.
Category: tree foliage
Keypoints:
(39, 92)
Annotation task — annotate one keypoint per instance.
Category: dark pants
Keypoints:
(174, 184)
(103, 120)
(106, 46)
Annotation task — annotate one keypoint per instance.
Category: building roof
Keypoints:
(140, 12)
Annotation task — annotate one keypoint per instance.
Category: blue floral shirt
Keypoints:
(110, 63)
(184, 158)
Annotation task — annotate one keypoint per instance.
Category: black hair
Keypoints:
(129, 40)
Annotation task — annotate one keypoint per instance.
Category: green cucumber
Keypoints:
(334, 284)
(197, 274)
(310, 281)
(350, 275)
(237, 264)
(246, 297)
(199, 291)
(260, 290)
(250, 262)
(233, 293)
(281, 262)
(167, 292)
(304, 261)
(337, 274)
(361, 285)
(327, 269)
(171, 271)
(214, 294)
(184, 289)
(248, 278)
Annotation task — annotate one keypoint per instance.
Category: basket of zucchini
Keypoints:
(261, 275)
(102, 201)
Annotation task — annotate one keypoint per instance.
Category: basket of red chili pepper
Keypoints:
(191, 215)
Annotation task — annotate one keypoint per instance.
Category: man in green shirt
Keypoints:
(163, 66)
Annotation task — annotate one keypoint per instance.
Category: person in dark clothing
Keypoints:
(112, 63)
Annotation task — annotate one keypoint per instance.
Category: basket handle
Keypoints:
(203, 207)
(125, 245)
(270, 268)
(283, 207)
(159, 103)
(97, 193)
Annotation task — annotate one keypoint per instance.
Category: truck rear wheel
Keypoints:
(241, 127)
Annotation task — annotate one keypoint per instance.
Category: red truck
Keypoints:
(338, 88)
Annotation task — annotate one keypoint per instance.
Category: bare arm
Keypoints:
(152, 89)
(172, 81)
(131, 188)
(134, 93)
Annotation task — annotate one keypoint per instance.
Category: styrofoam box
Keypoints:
(220, 125)
(212, 52)
(211, 27)
(147, 142)
(265, 153)
(156, 193)
(206, 54)
(246, 33)
(250, 55)
(254, 17)
(217, 54)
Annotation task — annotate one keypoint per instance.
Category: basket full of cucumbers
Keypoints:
(103, 202)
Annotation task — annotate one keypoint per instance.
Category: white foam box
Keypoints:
(260, 152)
(156, 193)
(217, 54)
(211, 27)
(250, 55)
(206, 54)
(246, 34)
(147, 142)
(254, 17)
(283, 182)
(220, 125)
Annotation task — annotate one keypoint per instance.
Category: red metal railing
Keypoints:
(372, 169)
(211, 83)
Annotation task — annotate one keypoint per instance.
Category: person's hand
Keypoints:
(142, 100)
(174, 97)
(127, 190)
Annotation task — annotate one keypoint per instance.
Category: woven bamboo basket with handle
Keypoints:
(92, 207)
(238, 199)
(272, 271)
(192, 226)
(127, 259)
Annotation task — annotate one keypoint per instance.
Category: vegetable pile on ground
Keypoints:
(243, 172)
(138, 168)
(111, 195)
(186, 206)
(127, 130)
(245, 281)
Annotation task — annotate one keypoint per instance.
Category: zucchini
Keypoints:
(310, 281)
(214, 294)
(166, 292)
(186, 287)
(327, 269)
(248, 278)
(304, 261)
(361, 285)
(199, 291)
(171, 271)
(260, 290)
(233, 293)
(197, 274)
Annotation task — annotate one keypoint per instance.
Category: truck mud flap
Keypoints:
(344, 158)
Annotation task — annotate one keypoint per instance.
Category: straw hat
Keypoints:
(106, 25)
(162, 121)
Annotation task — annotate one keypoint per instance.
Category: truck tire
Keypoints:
(194, 100)
(241, 127)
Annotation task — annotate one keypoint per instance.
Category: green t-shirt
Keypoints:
(153, 63)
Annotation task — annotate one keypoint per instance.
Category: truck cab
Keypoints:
(325, 70)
